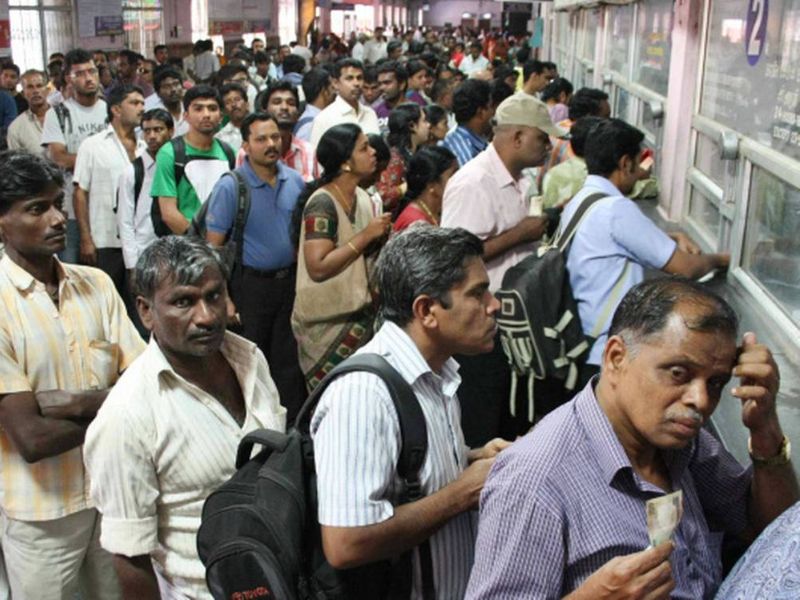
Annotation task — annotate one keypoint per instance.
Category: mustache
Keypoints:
(680, 413)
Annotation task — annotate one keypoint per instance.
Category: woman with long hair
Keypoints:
(408, 130)
(437, 123)
(428, 173)
(338, 240)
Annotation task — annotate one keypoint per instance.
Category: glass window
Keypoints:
(771, 248)
(751, 80)
(653, 47)
(704, 213)
(622, 105)
(39, 28)
(620, 33)
(707, 159)
(591, 24)
(143, 29)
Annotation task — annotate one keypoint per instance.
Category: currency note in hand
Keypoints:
(663, 515)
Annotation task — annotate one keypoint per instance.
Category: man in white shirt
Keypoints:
(348, 79)
(356, 430)
(133, 211)
(69, 123)
(172, 427)
(25, 133)
(359, 50)
(236, 107)
(375, 49)
(101, 162)
(474, 61)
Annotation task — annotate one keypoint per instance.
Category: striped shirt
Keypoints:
(81, 344)
(159, 446)
(465, 144)
(357, 445)
(564, 500)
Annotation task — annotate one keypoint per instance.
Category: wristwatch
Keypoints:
(781, 458)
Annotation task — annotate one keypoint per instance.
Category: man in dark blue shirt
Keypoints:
(266, 287)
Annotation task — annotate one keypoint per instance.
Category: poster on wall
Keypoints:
(90, 10)
(751, 81)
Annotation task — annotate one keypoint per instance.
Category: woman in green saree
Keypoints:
(340, 235)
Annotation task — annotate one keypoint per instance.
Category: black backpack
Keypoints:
(181, 160)
(259, 536)
(540, 329)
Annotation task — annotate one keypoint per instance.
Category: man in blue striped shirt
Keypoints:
(435, 303)
(472, 106)
(563, 511)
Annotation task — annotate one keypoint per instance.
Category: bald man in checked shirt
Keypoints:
(563, 509)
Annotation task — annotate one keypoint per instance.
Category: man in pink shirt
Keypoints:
(281, 100)
(487, 197)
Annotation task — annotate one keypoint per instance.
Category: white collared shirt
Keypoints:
(340, 112)
(99, 167)
(133, 215)
(157, 449)
(357, 445)
(231, 135)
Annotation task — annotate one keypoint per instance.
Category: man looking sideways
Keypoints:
(348, 78)
(64, 339)
(101, 162)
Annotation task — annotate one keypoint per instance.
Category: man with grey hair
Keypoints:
(564, 510)
(435, 301)
(169, 435)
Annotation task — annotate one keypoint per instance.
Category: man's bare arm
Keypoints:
(172, 217)
(59, 155)
(529, 229)
(34, 435)
(136, 577)
(411, 524)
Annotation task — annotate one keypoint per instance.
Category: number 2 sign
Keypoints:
(756, 29)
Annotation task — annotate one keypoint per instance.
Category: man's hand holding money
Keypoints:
(645, 575)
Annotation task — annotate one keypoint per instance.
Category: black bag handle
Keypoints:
(270, 439)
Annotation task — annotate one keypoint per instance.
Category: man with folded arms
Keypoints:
(563, 511)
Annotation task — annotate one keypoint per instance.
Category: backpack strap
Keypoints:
(242, 212)
(179, 150)
(64, 118)
(414, 447)
(229, 153)
(138, 179)
(567, 231)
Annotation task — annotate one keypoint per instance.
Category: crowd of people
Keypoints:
(191, 244)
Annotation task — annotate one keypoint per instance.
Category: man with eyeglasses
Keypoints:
(68, 124)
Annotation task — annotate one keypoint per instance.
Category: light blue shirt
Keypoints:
(267, 242)
(614, 232)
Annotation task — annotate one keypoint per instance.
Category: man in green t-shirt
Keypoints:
(206, 161)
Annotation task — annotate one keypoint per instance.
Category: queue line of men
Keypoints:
(181, 298)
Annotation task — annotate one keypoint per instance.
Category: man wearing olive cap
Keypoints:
(487, 197)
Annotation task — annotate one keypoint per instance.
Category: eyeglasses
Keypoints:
(84, 73)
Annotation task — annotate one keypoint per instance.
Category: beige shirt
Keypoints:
(81, 344)
(159, 446)
(25, 133)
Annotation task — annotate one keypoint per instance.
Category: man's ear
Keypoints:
(144, 308)
(615, 354)
(422, 309)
